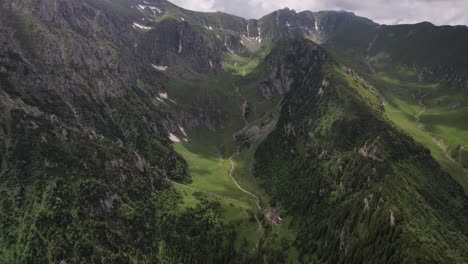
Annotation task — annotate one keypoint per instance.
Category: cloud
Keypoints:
(439, 12)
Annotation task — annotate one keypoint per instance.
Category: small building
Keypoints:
(274, 217)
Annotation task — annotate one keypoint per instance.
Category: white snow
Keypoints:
(208, 27)
(320, 92)
(218, 36)
(227, 47)
(287, 24)
(211, 64)
(183, 19)
(183, 131)
(152, 8)
(136, 25)
(159, 68)
(392, 218)
(163, 95)
(180, 45)
(173, 138)
(316, 26)
(250, 39)
(259, 34)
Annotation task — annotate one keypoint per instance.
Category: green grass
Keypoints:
(245, 64)
(210, 176)
(210, 173)
(440, 127)
(207, 153)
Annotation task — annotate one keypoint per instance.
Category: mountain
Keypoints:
(139, 132)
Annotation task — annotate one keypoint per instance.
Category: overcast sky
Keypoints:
(439, 12)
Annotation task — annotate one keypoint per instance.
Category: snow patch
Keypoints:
(287, 24)
(211, 64)
(183, 19)
(173, 138)
(320, 92)
(392, 218)
(208, 27)
(250, 40)
(227, 47)
(136, 25)
(182, 130)
(166, 97)
(259, 38)
(153, 9)
(159, 68)
(180, 45)
(163, 95)
(316, 26)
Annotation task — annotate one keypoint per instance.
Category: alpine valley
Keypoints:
(136, 131)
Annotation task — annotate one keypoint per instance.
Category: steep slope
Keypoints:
(85, 147)
(348, 177)
(94, 91)
(420, 71)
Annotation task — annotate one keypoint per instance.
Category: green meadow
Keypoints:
(433, 114)
(208, 152)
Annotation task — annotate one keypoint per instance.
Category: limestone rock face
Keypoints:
(177, 43)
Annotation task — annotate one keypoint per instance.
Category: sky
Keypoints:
(438, 12)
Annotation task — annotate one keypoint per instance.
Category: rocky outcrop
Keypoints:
(173, 43)
(280, 72)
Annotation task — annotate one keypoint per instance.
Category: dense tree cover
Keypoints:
(360, 190)
(69, 196)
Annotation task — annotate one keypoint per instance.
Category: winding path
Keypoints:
(424, 108)
(257, 200)
(233, 166)
(437, 142)
(231, 172)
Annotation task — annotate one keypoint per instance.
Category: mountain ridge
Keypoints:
(118, 118)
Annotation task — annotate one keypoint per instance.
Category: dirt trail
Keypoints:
(439, 143)
(231, 172)
(233, 166)
(256, 199)
(418, 116)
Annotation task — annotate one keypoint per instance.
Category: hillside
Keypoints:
(140, 132)
(349, 177)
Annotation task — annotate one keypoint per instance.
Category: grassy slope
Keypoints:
(433, 114)
(289, 178)
(207, 153)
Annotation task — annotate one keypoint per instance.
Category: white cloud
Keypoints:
(439, 12)
(199, 5)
